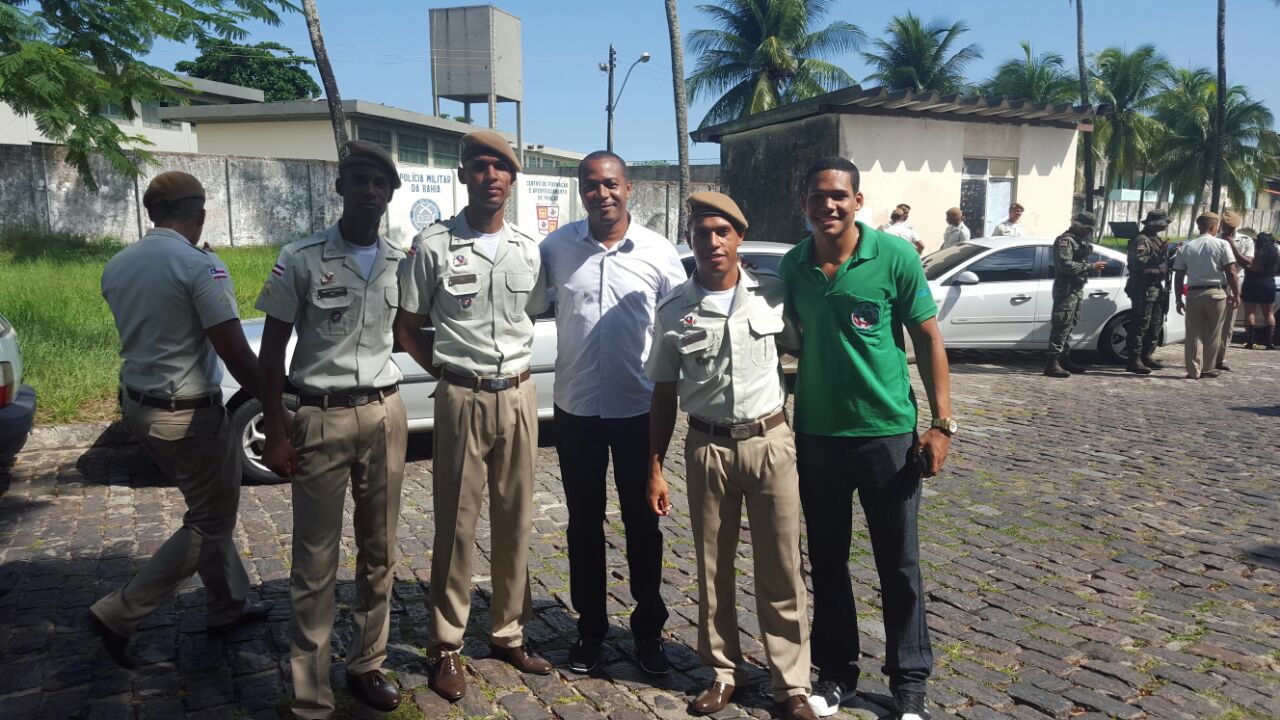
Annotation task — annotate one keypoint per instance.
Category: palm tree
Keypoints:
(1041, 79)
(1128, 84)
(763, 54)
(336, 114)
(682, 106)
(1220, 109)
(1084, 100)
(919, 57)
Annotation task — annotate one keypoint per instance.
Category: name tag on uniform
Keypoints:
(331, 292)
(461, 279)
(693, 337)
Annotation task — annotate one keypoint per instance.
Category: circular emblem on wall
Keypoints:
(865, 315)
(423, 213)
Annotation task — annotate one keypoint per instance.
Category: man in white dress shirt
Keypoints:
(956, 232)
(1011, 226)
(898, 227)
(608, 273)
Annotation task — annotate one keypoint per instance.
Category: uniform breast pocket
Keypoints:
(333, 311)
(519, 285)
(764, 336)
(698, 352)
(462, 295)
(391, 300)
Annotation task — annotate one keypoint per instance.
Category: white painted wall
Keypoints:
(18, 129)
(293, 140)
(1046, 179)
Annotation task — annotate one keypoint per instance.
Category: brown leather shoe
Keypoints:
(713, 699)
(447, 676)
(522, 660)
(374, 689)
(797, 707)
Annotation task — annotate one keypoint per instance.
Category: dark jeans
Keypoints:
(884, 475)
(584, 445)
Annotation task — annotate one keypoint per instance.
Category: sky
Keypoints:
(380, 53)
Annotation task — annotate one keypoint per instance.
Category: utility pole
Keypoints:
(608, 108)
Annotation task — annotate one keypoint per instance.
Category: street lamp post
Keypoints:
(612, 103)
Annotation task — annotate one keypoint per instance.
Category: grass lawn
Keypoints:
(49, 291)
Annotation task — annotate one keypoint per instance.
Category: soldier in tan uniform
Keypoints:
(337, 289)
(175, 309)
(715, 346)
(478, 279)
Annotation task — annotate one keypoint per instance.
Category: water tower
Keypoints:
(475, 58)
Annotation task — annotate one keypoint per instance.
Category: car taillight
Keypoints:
(8, 384)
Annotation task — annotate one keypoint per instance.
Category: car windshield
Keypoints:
(942, 262)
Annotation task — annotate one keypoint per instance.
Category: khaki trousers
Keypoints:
(482, 438)
(195, 449)
(364, 446)
(1228, 330)
(1205, 311)
(721, 474)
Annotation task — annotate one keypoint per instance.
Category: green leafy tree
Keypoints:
(920, 57)
(268, 66)
(66, 63)
(763, 54)
(1041, 78)
(1128, 86)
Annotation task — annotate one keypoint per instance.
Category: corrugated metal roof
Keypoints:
(907, 103)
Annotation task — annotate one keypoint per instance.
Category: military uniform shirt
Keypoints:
(1008, 229)
(480, 306)
(1148, 261)
(726, 366)
(1071, 259)
(1204, 260)
(342, 320)
(164, 293)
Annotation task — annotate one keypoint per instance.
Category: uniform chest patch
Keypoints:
(461, 279)
(865, 315)
(335, 316)
(459, 260)
(689, 320)
(326, 278)
(690, 338)
(331, 292)
(465, 302)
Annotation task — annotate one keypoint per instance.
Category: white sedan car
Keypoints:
(998, 293)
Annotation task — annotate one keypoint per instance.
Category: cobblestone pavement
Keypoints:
(1104, 546)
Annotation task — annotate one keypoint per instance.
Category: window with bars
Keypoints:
(412, 148)
(377, 136)
(151, 116)
(444, 153)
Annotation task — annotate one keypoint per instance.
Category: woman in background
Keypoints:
(1259, 292)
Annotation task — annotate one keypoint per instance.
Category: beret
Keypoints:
(1207, 215)
(170, 187)
(1017, 206)
(1156, 216)
(488, 142)
(1084, 218)
(359, 152)
(714, 203)
(1231, 218)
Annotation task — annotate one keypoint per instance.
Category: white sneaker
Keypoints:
(827, 696)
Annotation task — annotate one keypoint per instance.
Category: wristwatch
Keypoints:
(946, 425)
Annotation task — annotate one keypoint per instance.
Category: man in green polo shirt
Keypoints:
(853, 290)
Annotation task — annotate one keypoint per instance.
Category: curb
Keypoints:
(78, 436)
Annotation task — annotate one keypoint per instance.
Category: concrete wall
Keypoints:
(261, 201)
(296, 139)
(1046, 179)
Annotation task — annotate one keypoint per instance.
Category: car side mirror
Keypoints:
(968, 277)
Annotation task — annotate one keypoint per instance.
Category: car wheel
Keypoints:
(246, 423)
(1115, 334)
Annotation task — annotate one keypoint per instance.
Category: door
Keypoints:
(1103, 295)
(1000, 310)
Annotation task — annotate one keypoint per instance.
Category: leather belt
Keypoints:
(172, 404)
(488, 384)
(740, 431)
(1204, 287)
(347, 398)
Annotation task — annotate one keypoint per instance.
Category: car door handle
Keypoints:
(1020, 298)
(1099, 293)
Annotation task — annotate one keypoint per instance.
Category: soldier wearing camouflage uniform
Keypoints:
(1071, 268)
(1148, 295)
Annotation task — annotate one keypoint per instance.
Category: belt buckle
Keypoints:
(742, 432)
(501, 383)
(358, 399)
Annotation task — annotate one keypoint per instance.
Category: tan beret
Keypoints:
(359, 152)
(170, 187)
(1207, 215)
(488, 142)
(1017, 206)
(1231, 219)
(714, 203)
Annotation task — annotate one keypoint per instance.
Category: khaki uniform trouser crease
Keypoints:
(1205, 312)
(363, 447)
(482, 439)
(722, 473)
(196, 450)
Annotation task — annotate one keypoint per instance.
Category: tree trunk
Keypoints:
(1084, 100)
(1142, 192)
(682, 108)
(336, 114)
(1220, 112)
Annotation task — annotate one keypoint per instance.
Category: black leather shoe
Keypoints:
(653, 659)
(374, 689)
(584, 656)
(521, 659)
(253, 612)
(713, 699)
(117, 645)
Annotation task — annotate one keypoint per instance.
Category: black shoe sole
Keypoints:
(111, 643)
